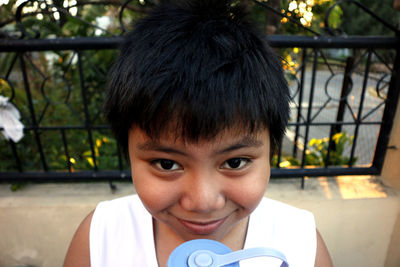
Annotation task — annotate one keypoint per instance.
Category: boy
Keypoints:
(198, 103)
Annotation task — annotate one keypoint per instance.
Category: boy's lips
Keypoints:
(202, 228)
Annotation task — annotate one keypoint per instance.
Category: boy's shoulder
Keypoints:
(279, 206)
(118, 227)
(121, 204)
(111, 212)
(279, 213)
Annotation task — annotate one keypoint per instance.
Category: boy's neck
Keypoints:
(166, 240)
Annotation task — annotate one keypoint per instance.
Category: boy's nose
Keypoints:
(202, 194)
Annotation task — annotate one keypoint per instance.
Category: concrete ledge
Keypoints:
(355, 215)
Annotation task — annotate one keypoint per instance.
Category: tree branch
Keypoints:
(143, 10)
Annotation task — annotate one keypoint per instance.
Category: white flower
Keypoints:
(9, 120)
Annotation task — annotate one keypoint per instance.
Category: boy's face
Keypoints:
(203, 189)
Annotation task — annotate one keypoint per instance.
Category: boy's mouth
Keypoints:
(202, 228)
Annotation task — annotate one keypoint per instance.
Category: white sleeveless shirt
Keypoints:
(121, 234)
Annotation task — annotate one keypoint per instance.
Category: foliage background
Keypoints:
(56, 83)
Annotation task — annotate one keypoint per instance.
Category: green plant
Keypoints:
(316, 154)
(318, 150)
(17, 186)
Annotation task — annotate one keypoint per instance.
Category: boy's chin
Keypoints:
(214, 236)
(187, 234)
(223, 233)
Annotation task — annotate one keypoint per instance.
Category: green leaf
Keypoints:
(335, 18)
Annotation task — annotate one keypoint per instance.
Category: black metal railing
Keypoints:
(342, 110)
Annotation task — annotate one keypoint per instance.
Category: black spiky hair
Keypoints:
(196, 68)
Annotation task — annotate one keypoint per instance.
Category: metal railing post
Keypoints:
(392, 100)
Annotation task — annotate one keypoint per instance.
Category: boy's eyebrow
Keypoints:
(156, 146)
(242, 143)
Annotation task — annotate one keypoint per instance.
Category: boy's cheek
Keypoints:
(154, 195)
(246, 191)
(249, 195)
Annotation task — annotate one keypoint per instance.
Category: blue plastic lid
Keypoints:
(180, 256)
(210, 253)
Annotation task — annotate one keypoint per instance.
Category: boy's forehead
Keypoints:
(224, 136)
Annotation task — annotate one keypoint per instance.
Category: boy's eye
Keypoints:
(235, 163)
(166, 164)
